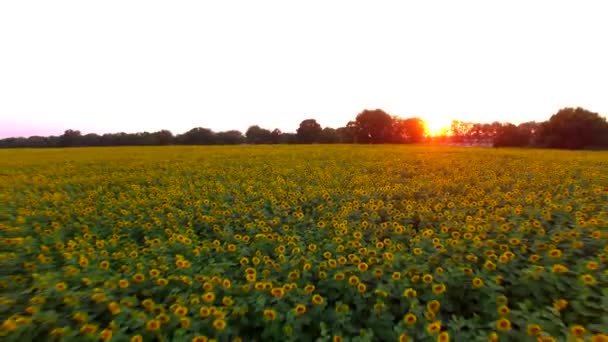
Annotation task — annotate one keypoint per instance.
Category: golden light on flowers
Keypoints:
(237, 239)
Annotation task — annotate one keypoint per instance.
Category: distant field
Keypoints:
(351, 243)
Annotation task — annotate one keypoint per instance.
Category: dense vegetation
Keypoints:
(283, 243)
(571, 128)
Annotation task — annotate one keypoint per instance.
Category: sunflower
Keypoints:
(433, 328)
(139, 277)
(433, 306)
(181, 311)
(578, 330)
(270, 314)
(88, 329)
(534, 329)
(559, 268)
(409, 319)
(439, 288)
(477, 282)
(204, 311)
(560, 304)
(317, 299)
(490, 266)
(503, 310)
(443, 337)
(208, 297)
(300, 309)
(184, 322)
(503, 324)
(114, 308)
(599, 338)
(409, 293)
(105, 335)
(219, 324)
(153, 325)
(588, 279)
(277, 292)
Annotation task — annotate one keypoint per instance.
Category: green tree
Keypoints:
(309, 131)
(329, 136)
(257, 135)
(374, 126)
(574, 128)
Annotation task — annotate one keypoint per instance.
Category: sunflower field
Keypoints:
(303, 243)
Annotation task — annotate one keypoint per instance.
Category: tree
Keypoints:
(275, 136)
(510, 135)
(232, 137)
(374, 126)
(70, 138)
(309, 131)
(257, 135)
(574, 128)
(460, 130)
(329, 136)
(348, 133)
(531, 129)
(197, 136)
(162, 137)
(411, 130)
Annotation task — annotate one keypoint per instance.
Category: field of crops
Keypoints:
(285, 243)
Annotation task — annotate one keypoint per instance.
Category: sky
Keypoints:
(132, 66)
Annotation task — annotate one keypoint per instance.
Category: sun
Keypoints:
(437, 127)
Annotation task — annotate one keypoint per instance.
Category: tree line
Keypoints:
(569, 128)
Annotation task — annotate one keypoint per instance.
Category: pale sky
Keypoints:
(109, 66)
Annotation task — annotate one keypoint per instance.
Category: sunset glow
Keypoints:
(134, 65)
(437, 127)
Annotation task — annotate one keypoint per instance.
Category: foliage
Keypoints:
(309, 131)
(575, 128)
(285, 243)
(411, 130)
(569, 128)
(374, 126)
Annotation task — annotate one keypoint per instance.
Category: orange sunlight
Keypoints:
(437, 127)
